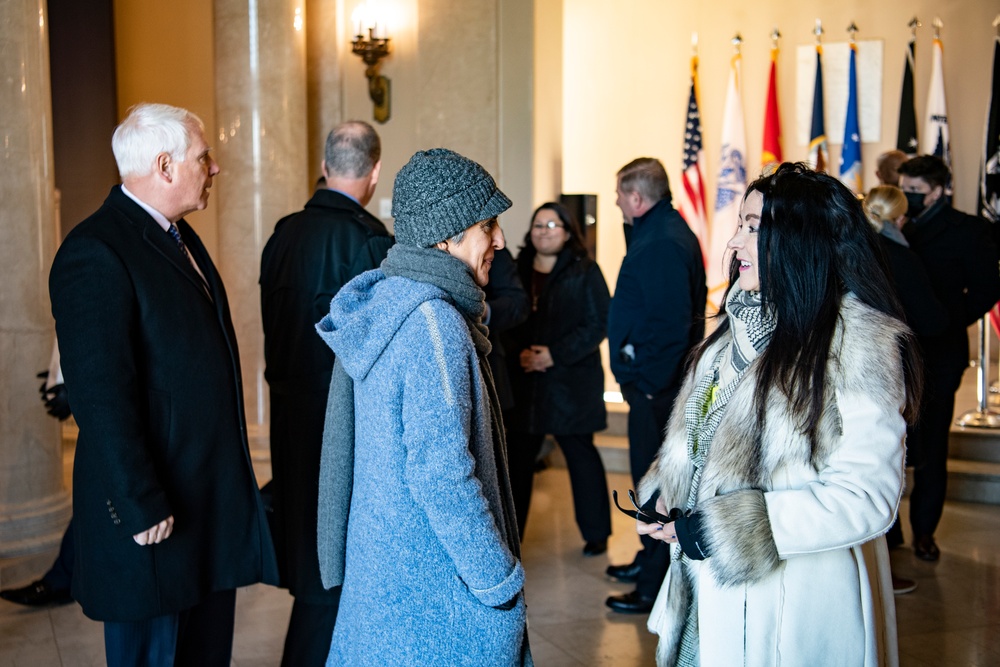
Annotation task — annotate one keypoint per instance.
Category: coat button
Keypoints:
(109, 503)
(117, 521)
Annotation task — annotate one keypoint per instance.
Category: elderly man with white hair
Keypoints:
(168, 520)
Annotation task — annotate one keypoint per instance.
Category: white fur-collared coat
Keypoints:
(798, 572)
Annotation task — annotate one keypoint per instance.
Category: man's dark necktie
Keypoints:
(175, 234)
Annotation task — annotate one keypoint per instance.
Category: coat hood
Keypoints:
(365, 315)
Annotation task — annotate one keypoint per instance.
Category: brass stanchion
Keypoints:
(983, 416)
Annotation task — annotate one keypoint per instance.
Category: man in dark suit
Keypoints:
(960, 256)
(309, 257)
(167, 518)
(656, 317)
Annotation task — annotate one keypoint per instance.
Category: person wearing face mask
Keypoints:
(960, 256)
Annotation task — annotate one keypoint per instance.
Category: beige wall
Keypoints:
(626, 79)
(444, 69)
(164, 53)
(548, 98)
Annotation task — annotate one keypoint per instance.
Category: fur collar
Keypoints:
(864, 357)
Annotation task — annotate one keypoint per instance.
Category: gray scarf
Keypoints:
(451, 275)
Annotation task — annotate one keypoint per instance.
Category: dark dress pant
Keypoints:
(647, 421)
(930, 473)
(201, 635)
(310, 633)
(591, 503)
(60, 575)
(522, 453)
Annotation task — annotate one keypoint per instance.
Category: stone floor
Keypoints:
(953, 618)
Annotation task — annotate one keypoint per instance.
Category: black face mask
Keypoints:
(915, 204)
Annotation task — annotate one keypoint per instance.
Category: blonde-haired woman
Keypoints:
(885, 206)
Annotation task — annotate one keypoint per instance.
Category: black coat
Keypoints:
(308, 258)
(153, 374)
(961, 260)
(570, 317)
(924, 313)
(509, 306)
(659, 304)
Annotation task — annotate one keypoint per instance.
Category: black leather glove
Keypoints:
(56, 398)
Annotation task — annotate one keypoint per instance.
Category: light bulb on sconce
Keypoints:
(371, 43)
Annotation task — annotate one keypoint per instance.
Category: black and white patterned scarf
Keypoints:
(751, 329)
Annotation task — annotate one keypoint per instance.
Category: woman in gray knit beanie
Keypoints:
(416, 518)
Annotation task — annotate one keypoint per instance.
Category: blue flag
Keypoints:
(850, 156)
(817, 130)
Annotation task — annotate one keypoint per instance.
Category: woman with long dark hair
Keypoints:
(783, 460)
(558, 380)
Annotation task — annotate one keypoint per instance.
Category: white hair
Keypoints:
(147, 131)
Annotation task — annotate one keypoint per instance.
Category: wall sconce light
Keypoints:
(372, 49)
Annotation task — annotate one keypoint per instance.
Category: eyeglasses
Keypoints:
(551, 224)
(645, 515)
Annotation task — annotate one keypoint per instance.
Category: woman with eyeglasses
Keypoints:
(783, 460)
(557, 375)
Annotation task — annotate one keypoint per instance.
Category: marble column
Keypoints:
(324, 44)
(261, 146)
(34, 503)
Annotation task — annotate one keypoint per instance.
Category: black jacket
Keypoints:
(153, 375)
(961, 260)
(570, 318)
(659, 304)
(509, 306)
(308, 258)
(924, 313)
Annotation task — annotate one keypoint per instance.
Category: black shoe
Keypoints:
(630, 603)
(37, 594)
(627, 574)
(595, 547)
(925, 548)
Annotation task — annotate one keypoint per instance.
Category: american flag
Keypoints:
(692, 201)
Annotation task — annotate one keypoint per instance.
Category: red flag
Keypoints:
(771, 153)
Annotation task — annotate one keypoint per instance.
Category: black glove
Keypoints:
(56, 399)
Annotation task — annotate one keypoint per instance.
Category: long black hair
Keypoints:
(814, 245)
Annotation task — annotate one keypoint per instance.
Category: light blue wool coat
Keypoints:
(426, 562)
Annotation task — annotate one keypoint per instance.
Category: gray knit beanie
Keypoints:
(438, 194)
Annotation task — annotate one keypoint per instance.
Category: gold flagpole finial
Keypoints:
(737, 41)
(818, 31)
(852, 30)
(937, 27)
(775, 36)
(996, 24)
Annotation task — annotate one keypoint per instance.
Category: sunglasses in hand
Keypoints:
(645, 514)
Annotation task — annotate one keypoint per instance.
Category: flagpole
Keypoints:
(850, 151)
